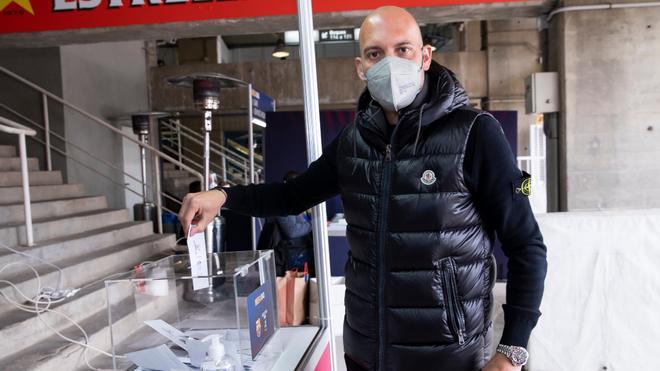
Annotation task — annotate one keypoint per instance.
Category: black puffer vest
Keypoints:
(420, 271)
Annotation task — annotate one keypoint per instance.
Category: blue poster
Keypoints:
(261, 317)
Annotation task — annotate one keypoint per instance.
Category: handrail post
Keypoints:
(26, 189)
(49, 161)
(157, 195)
(224, 168)
(178, 139)
(143, 168)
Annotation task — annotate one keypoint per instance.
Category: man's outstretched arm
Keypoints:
(316, 184)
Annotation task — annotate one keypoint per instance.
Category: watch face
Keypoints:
(519, 356)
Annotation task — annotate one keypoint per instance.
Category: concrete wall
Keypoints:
(108, 80)
(41, 66)
(609, 68)
(339, 86)
(514, 52)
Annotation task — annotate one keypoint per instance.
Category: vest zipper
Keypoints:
(454, 312)
(384, 206)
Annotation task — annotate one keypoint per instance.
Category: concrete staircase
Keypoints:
(85, 238)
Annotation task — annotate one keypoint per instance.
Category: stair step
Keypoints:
(179, 182)
(26, 331)
(14, 178)
(56, 354)
(48, 209)
(58, 249)
(14, 164)
(7, 151)
(45, 229)
(170, 174)
(13, 195)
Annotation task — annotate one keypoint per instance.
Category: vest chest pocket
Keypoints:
(453, 307)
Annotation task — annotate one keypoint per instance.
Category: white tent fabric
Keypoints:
(601, 307)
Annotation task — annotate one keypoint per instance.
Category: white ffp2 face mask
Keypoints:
(394, 82)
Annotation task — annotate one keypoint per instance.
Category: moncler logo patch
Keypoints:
(428, 177)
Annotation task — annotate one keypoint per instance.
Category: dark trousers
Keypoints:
(351, 365)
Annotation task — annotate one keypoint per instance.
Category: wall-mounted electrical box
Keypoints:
(542, 92)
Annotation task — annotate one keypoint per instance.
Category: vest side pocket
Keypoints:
(453, 308)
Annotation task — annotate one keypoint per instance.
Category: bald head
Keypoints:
(389, 21)
(390, 31)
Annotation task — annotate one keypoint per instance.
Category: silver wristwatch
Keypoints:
(517, 355)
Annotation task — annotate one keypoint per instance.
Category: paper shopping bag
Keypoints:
(281, 300)
(296, 298)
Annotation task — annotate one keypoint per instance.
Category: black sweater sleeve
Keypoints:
(317, 184)
(492, 175)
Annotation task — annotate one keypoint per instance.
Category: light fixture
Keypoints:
(280, 50)
(293, 37)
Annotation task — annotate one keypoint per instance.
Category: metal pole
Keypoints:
(178, 139)
(224, 168)
(314, 150)
(143, 165)
(253, 224)
(26, 189)
(49, 161)
(208, 125)
(157, 196)
(246, 176)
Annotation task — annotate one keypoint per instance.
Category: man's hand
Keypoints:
(500, 363)
(200, 209)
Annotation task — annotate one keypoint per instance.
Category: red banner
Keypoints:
(48, 15)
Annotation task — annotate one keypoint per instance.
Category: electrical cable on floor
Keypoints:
(43, 301)
(53, 293)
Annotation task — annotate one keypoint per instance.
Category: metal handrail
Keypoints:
(243, 166)
(242, 162)
(89, 167)
(64, 153)
(184, 157)
(200, 137)
(191, 135)
(67, 155)
(155, 152)
(226, 175)
(12, 127)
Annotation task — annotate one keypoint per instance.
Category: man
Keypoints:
(426, 183)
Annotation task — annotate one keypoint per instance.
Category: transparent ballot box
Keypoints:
(224, 320)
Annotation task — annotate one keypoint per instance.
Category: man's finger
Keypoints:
(202, 223)
(187, 213)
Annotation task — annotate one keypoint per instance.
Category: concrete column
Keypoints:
(514, 52)
(608, 63)
(471, 36)
(108, 80)
(223, 53)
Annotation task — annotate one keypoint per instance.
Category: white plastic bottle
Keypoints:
(218, 360)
